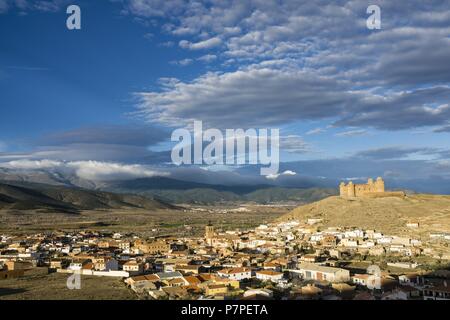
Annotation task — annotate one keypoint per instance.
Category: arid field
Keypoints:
(39, 285)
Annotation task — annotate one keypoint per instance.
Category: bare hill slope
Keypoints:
(388, 214)
(70, 200)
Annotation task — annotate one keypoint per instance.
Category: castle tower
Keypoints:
(370, 185)
(351, 189)
(342, 189)
(379, 185)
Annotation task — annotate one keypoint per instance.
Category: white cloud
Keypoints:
(167, 44)
(271, 97)
(149, 36)
(90, 170)
(30, 5)
(49, 6)
(94, 170)
(207, 58)
(32, 164)
(300, 36)
(315, 131)
(284, 173)
(183, 62)
(154, 8)
(205, 44)
(293, 144)
(351, 133)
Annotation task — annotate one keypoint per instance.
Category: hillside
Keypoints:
(385, 214)
(69, 200)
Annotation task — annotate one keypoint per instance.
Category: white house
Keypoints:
(401, 241)
(384, 240)
(349, 243)
(311, 271)
(269, 275)
(235, 273)
(361, 279)
(133, 267)
(354, 234)
(316, 237)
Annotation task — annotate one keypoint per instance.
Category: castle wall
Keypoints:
(361, 190)
(400, 194)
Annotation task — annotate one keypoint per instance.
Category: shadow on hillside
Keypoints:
(10, 291)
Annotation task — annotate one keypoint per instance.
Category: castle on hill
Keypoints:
(372, 189)
(363, 189)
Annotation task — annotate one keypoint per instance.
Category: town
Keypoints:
(283, 260)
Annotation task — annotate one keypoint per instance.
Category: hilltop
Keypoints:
(388, 214)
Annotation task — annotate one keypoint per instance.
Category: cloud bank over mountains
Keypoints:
(89, 170)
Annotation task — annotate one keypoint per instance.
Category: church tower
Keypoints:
(209, 233)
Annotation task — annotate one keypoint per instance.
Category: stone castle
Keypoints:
(370, 188)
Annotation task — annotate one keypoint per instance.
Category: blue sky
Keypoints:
(55, 79)
(113, 91)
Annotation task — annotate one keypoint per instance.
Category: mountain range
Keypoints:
(163, 189)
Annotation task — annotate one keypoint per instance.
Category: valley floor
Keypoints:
(188, 221)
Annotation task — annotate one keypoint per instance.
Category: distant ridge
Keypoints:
(164, 183)
(169, 189)
(22, 196)
(178, 191)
